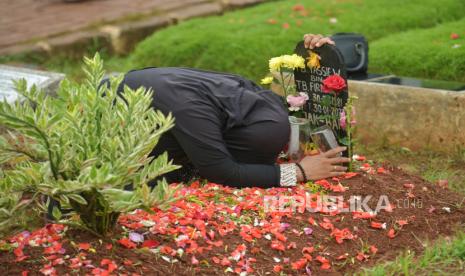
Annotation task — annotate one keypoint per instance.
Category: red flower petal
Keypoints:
(376, 225)
(350, 175)
(291, 245)
(272, 21)
(216, 260)
(18, 251)
(308, 250)
(150, 243)
(363, 215)
(55, 248)
(277, 268)
(391, 233)
(167, 250)
(246, 236)
(409, 185)
(84, 246)
(361, 158)
(225, 262)
(341, 235)
(298, 7)
(299, 264)
(127, 243)
(381, 170)
(343, 256)
(277, 245)
(327, 225)
(361, 257)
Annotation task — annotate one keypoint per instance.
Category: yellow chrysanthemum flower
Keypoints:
(267, 80)
(293, 62)
(275, 64)
(313, 61)
(287, 61)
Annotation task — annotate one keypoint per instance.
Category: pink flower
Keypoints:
(296, 102)
(353, 122)
(308, 231)
(343, 119)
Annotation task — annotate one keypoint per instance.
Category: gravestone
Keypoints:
(322, 108)
(46, 81)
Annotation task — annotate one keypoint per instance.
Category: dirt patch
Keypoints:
(214, 230)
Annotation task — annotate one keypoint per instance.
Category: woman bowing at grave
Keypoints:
(228, 129)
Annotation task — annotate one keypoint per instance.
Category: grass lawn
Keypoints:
(410, 38)
(243, 41)
(427, 53)
(446, 257)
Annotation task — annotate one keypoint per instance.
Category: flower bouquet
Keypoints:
(282, 70)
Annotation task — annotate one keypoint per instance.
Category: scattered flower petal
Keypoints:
(136, 237)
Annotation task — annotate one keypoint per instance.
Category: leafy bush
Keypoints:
(430, 53)
(242, 41)
(83, 148)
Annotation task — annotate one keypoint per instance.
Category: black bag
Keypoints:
(354, 49)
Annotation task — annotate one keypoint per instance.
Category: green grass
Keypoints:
(243, 41)
(427, 53)
(446, 257)
(409, 38)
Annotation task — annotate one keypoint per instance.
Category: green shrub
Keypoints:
(428, 53)
(83, 148)
(243, 41)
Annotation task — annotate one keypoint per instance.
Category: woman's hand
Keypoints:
(323, 165)
(311, 40)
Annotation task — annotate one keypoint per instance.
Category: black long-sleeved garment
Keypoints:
(227, 129)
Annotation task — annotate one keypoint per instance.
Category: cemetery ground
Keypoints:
(213, 229)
